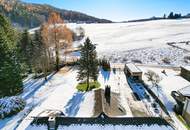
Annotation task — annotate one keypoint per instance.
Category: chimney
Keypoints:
(52, 123)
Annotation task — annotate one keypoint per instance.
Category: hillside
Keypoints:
(31, 15)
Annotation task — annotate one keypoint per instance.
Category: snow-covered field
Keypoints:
(144, 41)
(129, 36)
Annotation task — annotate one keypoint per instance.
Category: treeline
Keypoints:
(23, 53)
(171, 15)
(174, 15)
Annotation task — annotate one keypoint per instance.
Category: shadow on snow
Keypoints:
(73, 105)
(105, 74)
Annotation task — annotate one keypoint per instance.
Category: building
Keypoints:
(185, 72)
(102, 122)
(182, 98)
(131, 70)
(186, 109)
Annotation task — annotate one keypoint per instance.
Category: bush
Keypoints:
(187, 58)
(105, 64)
(10, 106)
(166, 60)
(137, 61)
(78, 34)
(83, 86)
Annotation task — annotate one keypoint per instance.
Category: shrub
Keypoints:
(166, 60)
(78, 34)
(187, 58)
(105, 64)
(10, 106)
(137, 61)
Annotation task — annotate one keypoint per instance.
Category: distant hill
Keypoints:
(32, 15)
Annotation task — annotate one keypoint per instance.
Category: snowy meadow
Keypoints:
(141, 42)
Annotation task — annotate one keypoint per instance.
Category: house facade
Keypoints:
(186, 110)
(182, 98)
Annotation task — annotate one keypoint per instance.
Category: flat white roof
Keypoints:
(186, 67)
(185, 91)
(133, 68)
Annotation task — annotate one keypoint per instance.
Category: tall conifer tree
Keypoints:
(88, 63)
(10, 77)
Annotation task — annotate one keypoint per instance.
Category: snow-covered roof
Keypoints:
(113, 127)
(102, 122)
(186, 67)
(133, 68)
(185, 91)
(100, 127)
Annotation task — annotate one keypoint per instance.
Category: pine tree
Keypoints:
(171, 15)
(41, 59)
(10, 77)
(26, 49)
(88, 63)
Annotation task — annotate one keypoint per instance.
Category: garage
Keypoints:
(131, 70)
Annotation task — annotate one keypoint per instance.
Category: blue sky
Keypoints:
(120, 10)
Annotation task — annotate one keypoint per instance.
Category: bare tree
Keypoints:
(154, 79)
(66, 38)
(59, 35)
(41, 59)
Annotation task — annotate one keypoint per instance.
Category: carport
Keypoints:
(131, 70)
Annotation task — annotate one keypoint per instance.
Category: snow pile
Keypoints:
(11, 105)
(114, 127)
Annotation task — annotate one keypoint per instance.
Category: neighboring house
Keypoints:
(182, 98)
(131, 70)
(185, 72)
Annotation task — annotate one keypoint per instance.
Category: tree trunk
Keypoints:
(88, 75)
(45, 77)
(45, 72)
(65, 58)
(56, 49)
(87, 83)
(57, 59)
